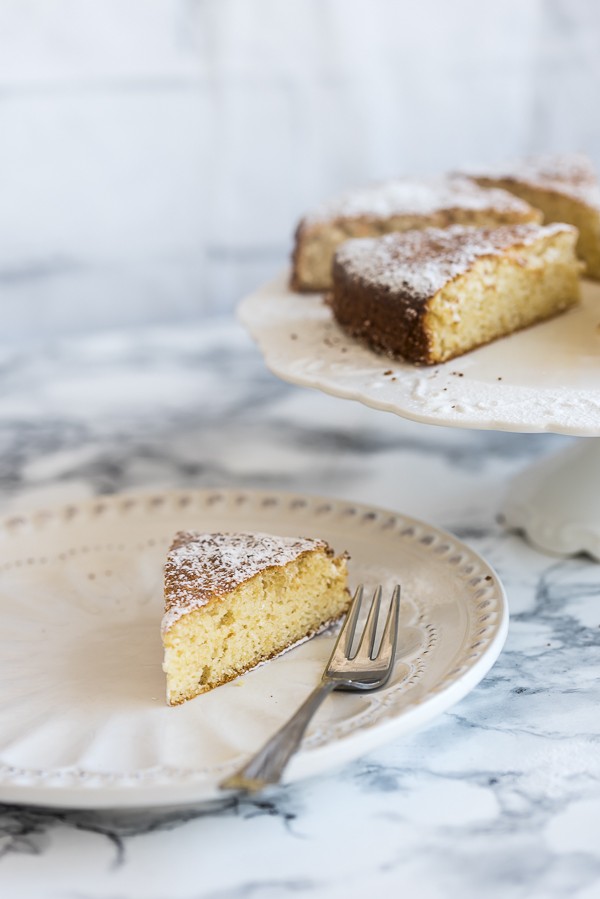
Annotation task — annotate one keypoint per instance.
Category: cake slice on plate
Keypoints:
(399, 205)
(427, 296)
(233, 601)
(565, 188)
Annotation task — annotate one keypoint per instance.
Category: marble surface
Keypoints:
(498, 797)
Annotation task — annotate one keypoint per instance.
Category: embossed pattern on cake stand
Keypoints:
(543, 379)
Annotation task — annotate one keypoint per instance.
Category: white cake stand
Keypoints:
(546, 378)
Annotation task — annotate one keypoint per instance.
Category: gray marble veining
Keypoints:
(498, 797)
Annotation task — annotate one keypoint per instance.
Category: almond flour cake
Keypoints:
(233, 601)
(399, 205)
(565, 188)
(427, 296)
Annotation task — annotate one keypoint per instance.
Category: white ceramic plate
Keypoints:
(83, 719)
(546, 378)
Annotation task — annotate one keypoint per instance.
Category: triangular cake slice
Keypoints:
(233, 601)
(564, 187)
(427, 296)
(400, 205)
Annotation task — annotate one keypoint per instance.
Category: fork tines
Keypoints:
(366, 651)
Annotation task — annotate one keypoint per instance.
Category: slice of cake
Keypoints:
(430, 295)
(565, 188)
(401, 205)
(235, 600)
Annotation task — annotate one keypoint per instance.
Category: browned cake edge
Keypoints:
(389, 323)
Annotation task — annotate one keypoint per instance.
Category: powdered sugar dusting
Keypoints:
(201, 565)
(418, 197)
(419, 263)
(571, 174)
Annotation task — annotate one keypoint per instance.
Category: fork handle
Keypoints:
(268, 764)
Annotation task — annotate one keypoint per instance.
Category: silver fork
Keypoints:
(359, 672)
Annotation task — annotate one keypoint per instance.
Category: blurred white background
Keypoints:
(155, 154)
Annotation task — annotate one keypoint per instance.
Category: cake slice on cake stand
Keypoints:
(543, 379)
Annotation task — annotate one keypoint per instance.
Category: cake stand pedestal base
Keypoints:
(556, 501)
